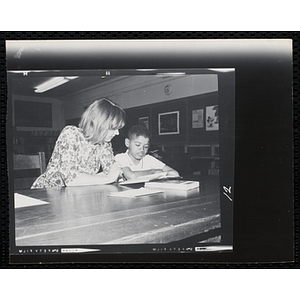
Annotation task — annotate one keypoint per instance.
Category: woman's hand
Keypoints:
(115, 172)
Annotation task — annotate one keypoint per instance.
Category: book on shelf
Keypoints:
(174, 184)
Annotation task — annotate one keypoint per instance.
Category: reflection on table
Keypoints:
(90, 216)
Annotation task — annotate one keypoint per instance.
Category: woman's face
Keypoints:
(111, 133)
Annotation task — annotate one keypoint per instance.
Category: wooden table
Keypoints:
(89, 216)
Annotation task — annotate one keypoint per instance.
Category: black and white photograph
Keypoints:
(76, 193)
(130, 160)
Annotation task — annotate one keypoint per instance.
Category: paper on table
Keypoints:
(145, 178)
(25, 201)
(132, 193)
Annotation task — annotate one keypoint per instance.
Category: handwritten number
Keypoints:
(227, 191)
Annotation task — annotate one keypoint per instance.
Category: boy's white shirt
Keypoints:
(146, 163)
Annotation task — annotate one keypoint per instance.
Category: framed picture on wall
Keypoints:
(197, 118)
(144, 121)
(168, 123)
(212, 118)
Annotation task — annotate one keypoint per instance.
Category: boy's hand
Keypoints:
(172, 174)
(156, 171)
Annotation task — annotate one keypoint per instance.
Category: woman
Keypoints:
(83, 155)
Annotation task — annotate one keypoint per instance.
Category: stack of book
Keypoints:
(174, 184)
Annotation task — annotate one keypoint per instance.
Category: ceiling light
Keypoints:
(52, 83)
(224, 70)
(171, 74)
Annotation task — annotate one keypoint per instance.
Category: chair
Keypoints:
(27, 168)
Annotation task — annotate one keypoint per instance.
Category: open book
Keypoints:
(179, 184)
(146, 178)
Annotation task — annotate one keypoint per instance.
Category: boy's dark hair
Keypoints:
(138, 130)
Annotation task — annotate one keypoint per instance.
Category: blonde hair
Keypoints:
(102, 115)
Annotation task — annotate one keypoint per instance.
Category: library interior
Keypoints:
(179, 108)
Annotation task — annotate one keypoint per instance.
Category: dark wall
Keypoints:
(186, 135)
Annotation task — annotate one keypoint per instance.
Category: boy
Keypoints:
(135, 161)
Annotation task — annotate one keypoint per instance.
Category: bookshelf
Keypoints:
(192, 159)
(203, 159)
(32, 142)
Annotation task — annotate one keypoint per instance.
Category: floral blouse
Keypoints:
(74, 155)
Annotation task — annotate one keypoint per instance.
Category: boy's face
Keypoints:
(138, 147)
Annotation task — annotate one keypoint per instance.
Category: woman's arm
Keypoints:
(87, 179)
(100, 178)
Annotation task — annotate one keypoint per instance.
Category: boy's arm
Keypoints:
(129, 174)
(165, 168)
(170, 171)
